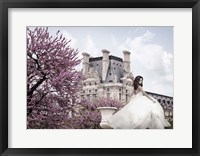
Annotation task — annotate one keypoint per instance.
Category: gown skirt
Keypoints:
(139, 113)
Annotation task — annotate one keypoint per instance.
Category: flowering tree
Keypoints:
(89, 117)
(52, 80)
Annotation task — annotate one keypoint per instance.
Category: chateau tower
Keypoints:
(105, 64)
(126, 61)
(85, 62)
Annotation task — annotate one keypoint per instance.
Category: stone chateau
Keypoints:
(110, 76)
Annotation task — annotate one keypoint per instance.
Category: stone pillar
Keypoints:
(105, 64)
(126, 60)
(85, 62)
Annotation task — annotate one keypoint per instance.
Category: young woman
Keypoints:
(142, 111)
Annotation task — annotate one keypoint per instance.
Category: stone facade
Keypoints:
(107, 76)
(110, 76)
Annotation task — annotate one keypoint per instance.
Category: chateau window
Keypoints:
(126, 97)
(114, 68)
(110, 74)
(95, 83)
(95, 90)
(110, 81)
(120, 96)
(108, 89)
(83, 91)
(159, 100)
(108, 95)
(163, 101)
(97, 64)
(120, 90)
(89, 91)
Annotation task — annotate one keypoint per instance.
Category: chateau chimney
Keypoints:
(105, 64)
(126, 60)
(85, 62)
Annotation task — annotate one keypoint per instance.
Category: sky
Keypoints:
(151, 50)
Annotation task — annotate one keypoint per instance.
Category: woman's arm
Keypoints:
(141, 89)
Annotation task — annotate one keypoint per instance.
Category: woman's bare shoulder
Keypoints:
(139, 88)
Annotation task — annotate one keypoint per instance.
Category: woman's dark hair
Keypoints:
(136, 82)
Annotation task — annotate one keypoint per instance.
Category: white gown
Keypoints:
(139, 113)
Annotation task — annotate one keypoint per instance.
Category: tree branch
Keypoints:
(30, 92)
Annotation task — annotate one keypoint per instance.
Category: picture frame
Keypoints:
(4, 80)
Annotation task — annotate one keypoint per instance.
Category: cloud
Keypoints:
(75, 45)
(90, 47)
(152, 62)
(73, 42)
(113, 40)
